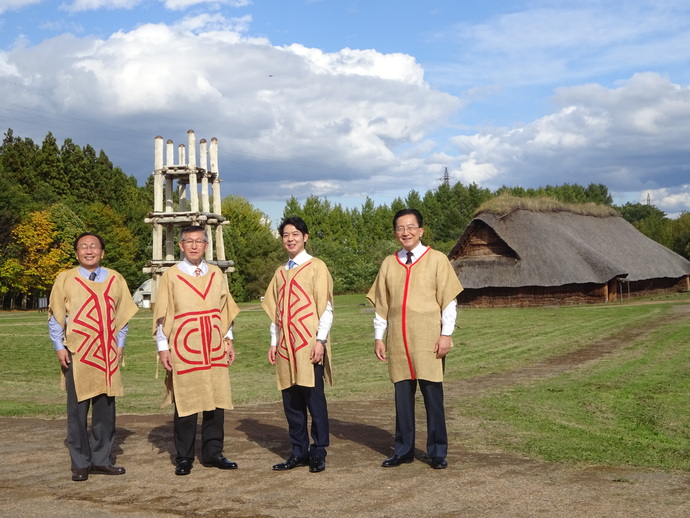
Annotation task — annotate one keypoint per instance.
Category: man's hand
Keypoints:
(229, 351)
(120, 354)
(63, 358)
(166, 359)
(317, 352)
(380, 349)
(442, 346)
(272, 354)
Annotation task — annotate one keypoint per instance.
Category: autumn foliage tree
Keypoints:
(38, 257)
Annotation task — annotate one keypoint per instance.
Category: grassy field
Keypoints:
(627, 407)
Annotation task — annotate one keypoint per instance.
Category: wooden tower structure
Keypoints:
(185, 193)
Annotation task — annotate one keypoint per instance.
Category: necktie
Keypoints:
(409, 258)
(197, 272)
(92, 276)
(291, 264)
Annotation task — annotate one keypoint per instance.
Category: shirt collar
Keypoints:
(417, 252)
(101, 273)
(300, 258)
(189, 268)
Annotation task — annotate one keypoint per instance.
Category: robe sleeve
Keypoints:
(162, 306)
(57, 306)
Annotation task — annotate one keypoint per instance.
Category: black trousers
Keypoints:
(297, 400)
(84, 451)
(437, 437)
(212, 435)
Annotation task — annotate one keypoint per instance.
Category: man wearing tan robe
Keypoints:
(89, 310)
(193, 317)
(414, 297)
(299, 301)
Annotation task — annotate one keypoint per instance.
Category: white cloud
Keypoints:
(16, 5)
(566, 41)
(92, 5)
(286, 117)
(613, 136)
(178, 5)
(173, 5)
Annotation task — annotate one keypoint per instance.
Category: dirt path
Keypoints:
(35, 477)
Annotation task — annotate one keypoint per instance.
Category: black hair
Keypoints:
(84, 234)
(296, 222)
(406, 212)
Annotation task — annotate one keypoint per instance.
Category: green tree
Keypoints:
(49, 169)
(120, 244)
(252, 245)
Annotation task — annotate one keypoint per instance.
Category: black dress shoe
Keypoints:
(395, 461)
(107, 470)
(439, 463)
(183, 467)
(291, 462)
(222, 463)
(80, 474)
(317, 464)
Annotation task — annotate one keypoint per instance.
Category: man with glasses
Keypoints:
(193, 317)
(89, 309)
(414, 298)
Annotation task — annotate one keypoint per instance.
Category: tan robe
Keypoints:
(197, 313)
(95, 313)
(295, 300)
(411, 298)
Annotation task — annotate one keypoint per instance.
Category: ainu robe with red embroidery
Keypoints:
(295, 300)
(197, 313)
(411, 298)
(95, 313)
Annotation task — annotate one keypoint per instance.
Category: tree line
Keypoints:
(50, 193)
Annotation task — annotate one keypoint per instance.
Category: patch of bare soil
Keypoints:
(35, 478)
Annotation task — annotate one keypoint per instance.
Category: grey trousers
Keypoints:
(84, 451)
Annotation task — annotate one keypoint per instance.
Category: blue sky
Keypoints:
(354, 98)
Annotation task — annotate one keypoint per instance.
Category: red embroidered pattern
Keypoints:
(197, 332)
(408, 274)
(99, 346)
(297, 301)
(208, 286)
(198, 340)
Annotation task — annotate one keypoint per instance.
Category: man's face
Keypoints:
(293, 240)
(408, 232)
(89, 252)
(193, 246)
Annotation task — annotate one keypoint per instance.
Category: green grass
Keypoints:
(627, 407)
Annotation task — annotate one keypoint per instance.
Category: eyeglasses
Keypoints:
(197, 242)
(92, 246)
(409, 228)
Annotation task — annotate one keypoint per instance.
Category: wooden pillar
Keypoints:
(213, 156)
(169, 161)
(203, 164)
(191, 166)
(158, 180)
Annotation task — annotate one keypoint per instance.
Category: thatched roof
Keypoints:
(553, 248)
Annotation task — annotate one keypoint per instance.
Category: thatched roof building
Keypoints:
(550, 253)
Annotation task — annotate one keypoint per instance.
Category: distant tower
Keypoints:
(193, 207)
(446, 177)
(649, 199)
